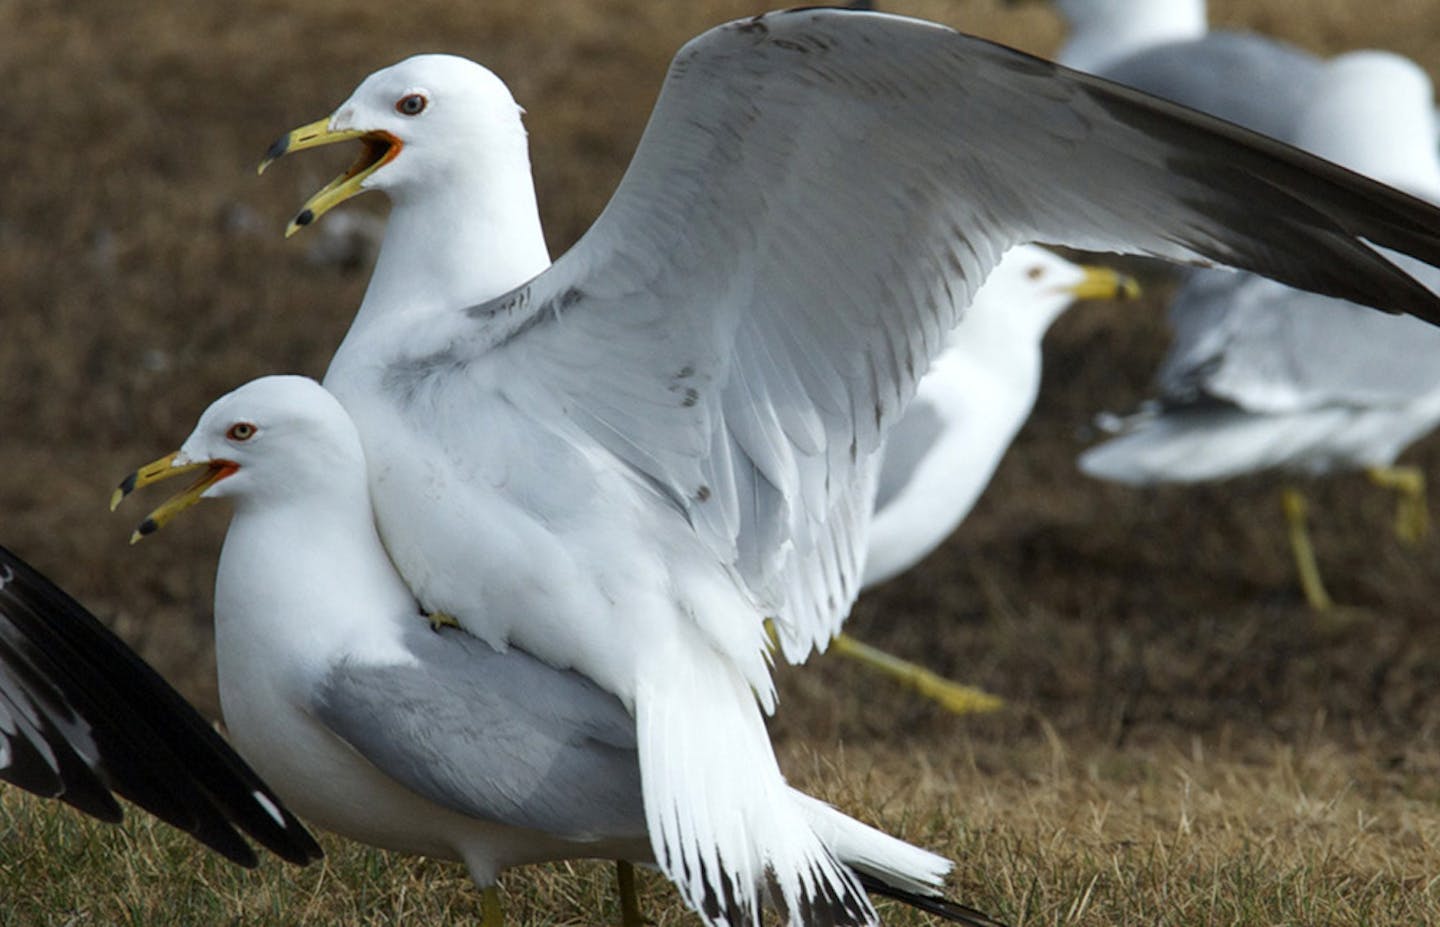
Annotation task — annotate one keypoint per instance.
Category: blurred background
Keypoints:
(143, 272)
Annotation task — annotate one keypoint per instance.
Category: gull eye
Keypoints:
(412, 104)
(241, 431)
(1036, 272)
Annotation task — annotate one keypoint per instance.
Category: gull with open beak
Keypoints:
(377, 149)
(942, 454)
(169, 467)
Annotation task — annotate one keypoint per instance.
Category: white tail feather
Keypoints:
(863, 848)
(723, 823)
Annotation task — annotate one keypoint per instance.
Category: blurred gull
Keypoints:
(1262, 376)
(627, 464)
(83, 719)
(1102, 32)
(1166, 47)
(942, 453)
(374, 726)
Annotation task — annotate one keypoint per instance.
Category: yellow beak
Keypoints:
(163, 469)
(1104, 283)
(377, 150)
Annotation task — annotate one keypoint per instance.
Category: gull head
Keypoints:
(422, 125)
(1032, 287)
(272, 441)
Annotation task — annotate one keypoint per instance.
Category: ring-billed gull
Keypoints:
(1260, 376)
(374, 726)
(938, 459)
(627, 464)
(83, 719)
(941, 455)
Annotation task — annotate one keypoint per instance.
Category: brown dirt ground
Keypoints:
(143, 273)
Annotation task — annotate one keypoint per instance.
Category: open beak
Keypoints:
(211, 472)
(377, 149)
(1104, 283)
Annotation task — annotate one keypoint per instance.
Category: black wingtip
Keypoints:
(142, 740)
(931, 904)
(277, 148)
(1337, 218)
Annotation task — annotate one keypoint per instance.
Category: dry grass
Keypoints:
(1186, 744)
(1043, 834)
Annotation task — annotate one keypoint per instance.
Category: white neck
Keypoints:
(450, 243)
(301, 587)
(1008, 312)
(447, 249)
(1009, 326)
(1105, 31)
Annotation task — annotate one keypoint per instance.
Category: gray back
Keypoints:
(501, 737)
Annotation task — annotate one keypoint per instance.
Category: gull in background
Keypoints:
(625, 463)
(375, 727)
(84, 719)
(1167, 48)
(1261, 376)
(979, 390)
(967, 409)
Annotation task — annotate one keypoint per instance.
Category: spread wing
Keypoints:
(816, 198)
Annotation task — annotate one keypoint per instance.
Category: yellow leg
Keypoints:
(1295, 506)
(440, 620)
(774, 635)
(629, 901)
(1412, 516)
(953, 696)
(492, 912)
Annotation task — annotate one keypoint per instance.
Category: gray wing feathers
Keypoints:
(501, 737)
